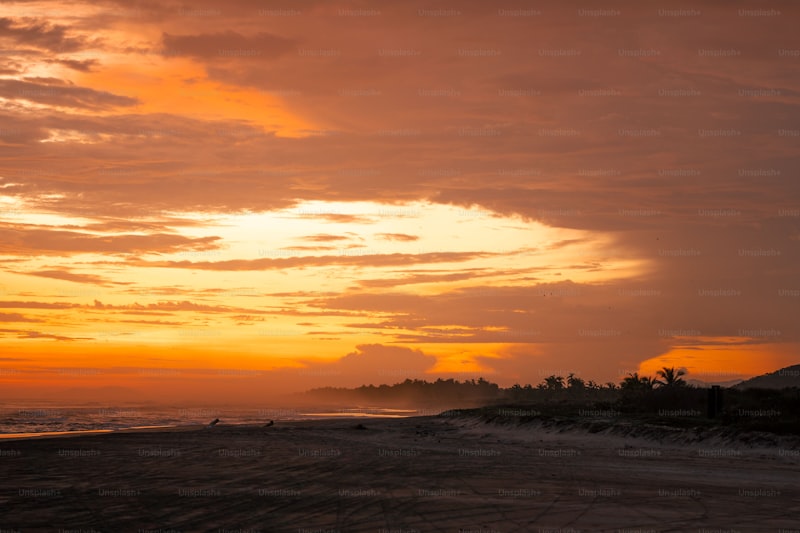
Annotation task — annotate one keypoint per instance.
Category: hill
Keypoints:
(780, 379)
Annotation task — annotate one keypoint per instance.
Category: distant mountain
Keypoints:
(785, 377)
(706, 384)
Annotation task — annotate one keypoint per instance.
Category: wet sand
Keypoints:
(397, 475)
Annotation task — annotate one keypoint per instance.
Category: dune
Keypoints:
(446, 473)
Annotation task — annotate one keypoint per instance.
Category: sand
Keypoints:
(397, 475)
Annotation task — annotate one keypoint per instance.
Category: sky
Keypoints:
(239, 200)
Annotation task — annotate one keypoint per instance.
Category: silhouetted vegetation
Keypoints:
(666, 399)
(776, 411)
(414, 392)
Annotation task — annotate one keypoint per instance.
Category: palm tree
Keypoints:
(648, 382)
(633, 381)
(670, 377)
(574, 382)
(554, 382)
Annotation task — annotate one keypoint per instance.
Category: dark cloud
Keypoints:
(82, 65)
(676, 161)
(417, 278)
(66, 275)
(16, 317)
(555, 312)
(355, 259)
(34, 305)
(40, 34)
(228, 45)
(28, 334)
(63, 95)
(7, 66)
(172, 306)
(33, 240)
(369, 363)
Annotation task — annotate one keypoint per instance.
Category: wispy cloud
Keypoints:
(503, 188)
(228, 45)
(398, 237)
(41, 34)
(70, 276)
(354, 259)
(29, 334)
(16, 317)
(62, 95)
(31, 240)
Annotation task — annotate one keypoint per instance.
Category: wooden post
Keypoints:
(714, 401)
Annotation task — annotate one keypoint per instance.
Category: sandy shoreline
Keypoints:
(4, 437)
(398, 475)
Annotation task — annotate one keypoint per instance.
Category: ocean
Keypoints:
(24, 421)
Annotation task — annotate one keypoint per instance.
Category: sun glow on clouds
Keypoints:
(274, 310)
(73, 136)
(736, 359)
(237, 188)
(177, 85)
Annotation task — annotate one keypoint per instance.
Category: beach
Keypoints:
(417, 474)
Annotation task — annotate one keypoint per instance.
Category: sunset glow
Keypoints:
(242, 201)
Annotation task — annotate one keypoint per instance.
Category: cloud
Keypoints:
(322, 237)
(62, 95)
(227, 45)
(374, 359)
(137, 308)
(155, 322)
(397, 237)
(673, 161)
(33, 305)
(70, 276)
(355, 259)
(173, 306)
(40, 34)
(573, 318)
(18, 239)
(341, 218)
(16, 317)
(82, 65)
(309, 248)
(369, 363)
(28, 334)
(416, 278)
(8, 66)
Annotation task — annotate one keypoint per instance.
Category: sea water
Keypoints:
(22, 420)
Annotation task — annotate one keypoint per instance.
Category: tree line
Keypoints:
(481, 391)
(664, 396)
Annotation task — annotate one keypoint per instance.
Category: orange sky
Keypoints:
(244, 199)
